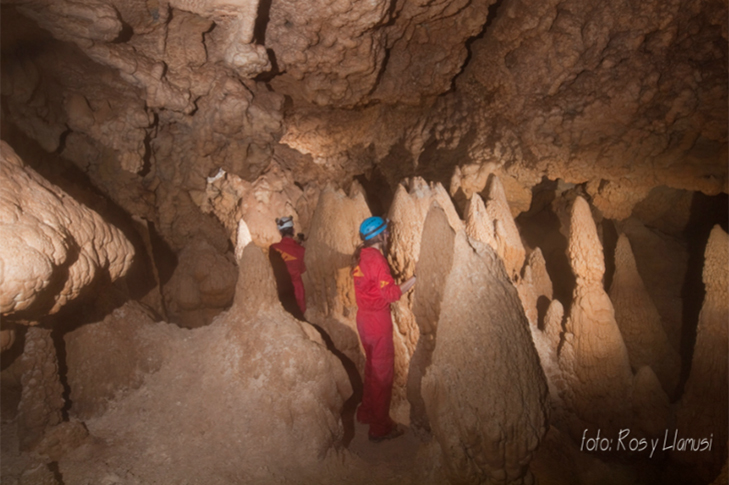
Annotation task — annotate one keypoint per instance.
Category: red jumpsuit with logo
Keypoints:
(293, 255)
(375, 290)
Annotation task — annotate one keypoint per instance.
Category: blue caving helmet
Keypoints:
(371, 227)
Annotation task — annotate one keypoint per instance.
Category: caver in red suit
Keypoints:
(293, 255)
(375, 290)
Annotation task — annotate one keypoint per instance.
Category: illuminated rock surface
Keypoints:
(192, 124)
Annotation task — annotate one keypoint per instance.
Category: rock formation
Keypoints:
(263, 384)
(412, 339)
(333, 237)
(63, 245)
(593, 359)
(200, 121)
(702, 409)
(484, 391)
(639, 321)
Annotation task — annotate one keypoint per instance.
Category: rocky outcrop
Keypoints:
(639, 321)
(108, 359)
(256, 382)
(202, 285)
(64, 246)
(593, 358)
(42, 398)
(484, 392)
(702, 411)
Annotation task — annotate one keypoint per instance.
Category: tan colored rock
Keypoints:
(497, 227)
(42, 398)
(263, 382)
(472, 179)
(270, 196)
(702, 410)
(333, 237)
(665, 209)
(202, 285)
(407, 214)
(593, 358)
(109, 359)
(662, 263)
(484, 391)
(651, 406)
(63, 245)
(639, 321)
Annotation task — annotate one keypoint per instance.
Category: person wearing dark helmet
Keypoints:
(289, 252)
(374, 290)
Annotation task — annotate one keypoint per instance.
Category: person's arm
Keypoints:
(404, 287)
(389, 290)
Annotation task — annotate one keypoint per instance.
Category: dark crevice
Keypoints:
(262, 19)
(493, 10)
(378, 193)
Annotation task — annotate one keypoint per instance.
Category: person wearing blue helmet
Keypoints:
(374, 290)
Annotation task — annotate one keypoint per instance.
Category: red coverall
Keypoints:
(293, 255)
(375, 290)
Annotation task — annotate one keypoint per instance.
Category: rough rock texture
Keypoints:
(662, 263)
(256, 383)
(484, 391)
(333, 237)
(412, 339)
(272, 195)
(202, 285)
(109, 358)
(702, 410)
(63, 245)
(42, 399)
(639, 321)
(593, 358)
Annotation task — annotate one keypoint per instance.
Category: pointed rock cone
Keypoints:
(702, 411)
(593, 358)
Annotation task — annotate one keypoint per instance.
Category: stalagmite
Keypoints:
(333, 237)
(702, 410)
(498, 227)
(413, 199)
(594, 358)
(639, 321)
(257, 383)
(484, 392)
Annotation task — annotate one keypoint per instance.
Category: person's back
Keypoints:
(291, 254)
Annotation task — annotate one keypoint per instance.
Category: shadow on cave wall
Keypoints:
(102, 296)
(706, 211)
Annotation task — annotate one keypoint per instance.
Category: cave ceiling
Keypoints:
(149, 99)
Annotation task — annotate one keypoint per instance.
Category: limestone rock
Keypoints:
(702, 410)
(202, 285)
(42, 398)
(254, 382)
(484, 391)
(333, 237)
(413, 199)
(593, 358)
(662, 264)
(639, 321)
(270, 196)
(107, 359)
(64, 245)
(497, 227)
